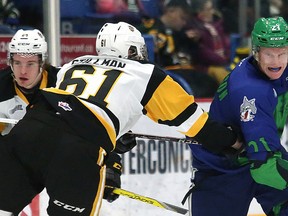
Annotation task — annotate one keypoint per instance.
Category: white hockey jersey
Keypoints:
(119, 91)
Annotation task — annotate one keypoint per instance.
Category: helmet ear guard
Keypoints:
(121, 40)
(28, 43)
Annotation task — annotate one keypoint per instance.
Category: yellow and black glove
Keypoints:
(113, 176)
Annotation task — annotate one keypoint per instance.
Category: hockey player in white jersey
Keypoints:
(68, 131)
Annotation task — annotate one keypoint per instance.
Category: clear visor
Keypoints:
(133, 53)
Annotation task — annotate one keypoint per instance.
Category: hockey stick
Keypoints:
(9, 121)
(149, 200)
(164, 138)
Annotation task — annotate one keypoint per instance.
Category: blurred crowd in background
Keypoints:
(193, 39)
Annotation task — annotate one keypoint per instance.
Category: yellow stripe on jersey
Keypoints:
(168, 91)
(110, 131)
(58, 91)
(98, 199)
(180, 109)
(2, 126)
(44, 80)
(198, 125)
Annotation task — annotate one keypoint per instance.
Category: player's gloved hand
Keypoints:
(272, 172)
(125, 143)
(113, 173)
(233, 151)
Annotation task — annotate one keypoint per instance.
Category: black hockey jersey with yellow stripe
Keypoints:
(12, 101)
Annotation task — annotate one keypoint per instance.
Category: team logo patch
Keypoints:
(248, 109)
(16, 108)
(64, 106)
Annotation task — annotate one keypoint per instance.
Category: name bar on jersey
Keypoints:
(97, 61)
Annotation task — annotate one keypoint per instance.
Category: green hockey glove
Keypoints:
(273, 172)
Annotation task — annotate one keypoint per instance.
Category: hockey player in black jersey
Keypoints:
(68, 131)
(27, 72)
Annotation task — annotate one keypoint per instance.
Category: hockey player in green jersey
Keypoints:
(247, 100)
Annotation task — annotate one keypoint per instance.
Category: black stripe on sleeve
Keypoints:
(156, 78)
(182, 117)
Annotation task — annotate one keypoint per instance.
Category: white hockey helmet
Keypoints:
(27, 43)
(121, 40)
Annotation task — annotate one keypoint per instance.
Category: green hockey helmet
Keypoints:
(270, 32)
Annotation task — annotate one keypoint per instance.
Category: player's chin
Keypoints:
(273, 75)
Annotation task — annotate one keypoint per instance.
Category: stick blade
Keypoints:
(149, 200)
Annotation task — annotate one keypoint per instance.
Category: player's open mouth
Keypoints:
(274, 69)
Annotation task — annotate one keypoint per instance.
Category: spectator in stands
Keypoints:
(121, 10)
(118, 6)
(175, 48)
(214, 47)
(167, 32)
(9, 16)
(31, 14)
(111, 6)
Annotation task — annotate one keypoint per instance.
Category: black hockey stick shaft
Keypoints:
(164, 138)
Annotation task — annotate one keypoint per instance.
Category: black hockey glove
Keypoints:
(218, 138)
(230, 152)
(113, 173)
(125, 143)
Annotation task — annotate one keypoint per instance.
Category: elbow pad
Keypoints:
(273, 172)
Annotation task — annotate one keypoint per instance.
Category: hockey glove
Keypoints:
(273, 172)
(215, 137)
(232, 152)
(125, 143)
(113, 173)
